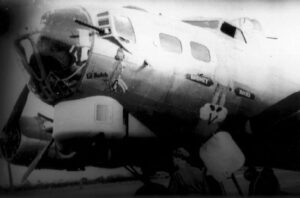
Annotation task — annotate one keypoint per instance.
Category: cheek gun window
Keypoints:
(200, 52)
(124, 28)
(170, 43)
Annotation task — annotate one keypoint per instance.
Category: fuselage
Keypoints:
(170, 69)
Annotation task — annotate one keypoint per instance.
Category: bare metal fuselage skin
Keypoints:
(161, 83)
(163, 89)
(157, 80)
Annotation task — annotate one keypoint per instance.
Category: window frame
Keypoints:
(131, 27)
(168, 48)
(197, 57)
(232, 31)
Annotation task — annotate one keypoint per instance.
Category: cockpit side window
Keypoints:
(200, 52)
(232, 31)
(170, 43)
(124, 28)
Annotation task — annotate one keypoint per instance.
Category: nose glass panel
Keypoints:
(56, 56)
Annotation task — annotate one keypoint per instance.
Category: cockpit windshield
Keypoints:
(56, 55)
(124, 28)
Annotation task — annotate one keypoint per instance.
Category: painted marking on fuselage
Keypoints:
(200, 78)
(93, 75)
(213, 113)
(244, 93)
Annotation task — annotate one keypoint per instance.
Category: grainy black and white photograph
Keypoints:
(149, 97)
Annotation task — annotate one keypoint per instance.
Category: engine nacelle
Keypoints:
(89, 117)
(93, 125)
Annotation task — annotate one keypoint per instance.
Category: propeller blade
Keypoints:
(9, 170)
(11, 183)
(35, 162)
(10, 127)
(18, 108)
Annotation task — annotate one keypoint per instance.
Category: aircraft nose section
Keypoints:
(57, 55)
